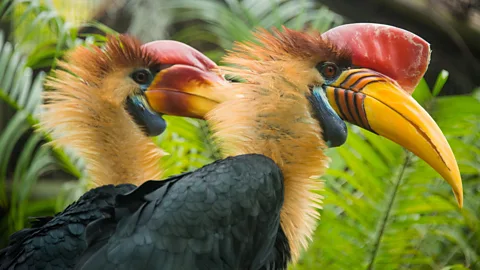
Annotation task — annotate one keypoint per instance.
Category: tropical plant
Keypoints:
(21, 87)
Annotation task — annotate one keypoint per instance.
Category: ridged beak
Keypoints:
(375, 102)
(183, 90)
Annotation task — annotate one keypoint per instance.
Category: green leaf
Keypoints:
(422, 93)
(441, 80)
(455, 267)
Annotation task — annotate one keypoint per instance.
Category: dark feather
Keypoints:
(55, 242)
(225, 215)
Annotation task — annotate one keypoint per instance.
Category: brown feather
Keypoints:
(269, 114)
(287, 45)
(85, 111)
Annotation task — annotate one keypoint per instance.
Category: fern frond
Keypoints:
(22, 92)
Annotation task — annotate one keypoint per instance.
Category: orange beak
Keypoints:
(184, 91)
(186, 88)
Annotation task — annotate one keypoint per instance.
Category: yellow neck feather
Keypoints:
(268, 117)
(99, 129)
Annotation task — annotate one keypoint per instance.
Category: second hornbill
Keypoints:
(96, 106)
(258, 209)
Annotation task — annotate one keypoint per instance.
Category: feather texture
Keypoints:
(85, 111)
(57, 242)
(222, 216)
(276, 69)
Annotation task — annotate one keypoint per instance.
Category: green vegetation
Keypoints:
(383, 207)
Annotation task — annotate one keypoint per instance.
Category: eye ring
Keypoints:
(328, 70)
(142, 76)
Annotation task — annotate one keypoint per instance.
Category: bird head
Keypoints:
(178, 68)
(360, 73)
(96, 103)
(119, 74)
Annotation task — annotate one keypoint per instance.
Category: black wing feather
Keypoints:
(56, 242)
(225, 215)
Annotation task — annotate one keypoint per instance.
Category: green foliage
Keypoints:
(22, 92)
(224, 22)
(186, 142)
(21, 88)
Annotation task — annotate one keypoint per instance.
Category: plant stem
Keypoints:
(383, 225)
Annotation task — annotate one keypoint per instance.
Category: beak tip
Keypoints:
(455, 182)
(459, 198)
(458, 192)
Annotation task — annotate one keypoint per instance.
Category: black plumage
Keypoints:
(225, 215)
(57, 242)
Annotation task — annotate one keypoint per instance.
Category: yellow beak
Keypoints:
(377, 103)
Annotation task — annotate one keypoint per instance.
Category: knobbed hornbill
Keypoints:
(258, 208)
(97, 107)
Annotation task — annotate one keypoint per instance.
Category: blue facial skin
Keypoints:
(151, 122)
(334, 128)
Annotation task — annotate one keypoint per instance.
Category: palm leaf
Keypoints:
(224, 22)
(23, 93)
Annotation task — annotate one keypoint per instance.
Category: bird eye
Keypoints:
(328, 70)
(142, 76)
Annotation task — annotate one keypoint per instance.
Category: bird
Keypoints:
(95, 106)
(258, 207)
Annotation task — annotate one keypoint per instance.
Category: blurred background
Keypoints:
(383, 207)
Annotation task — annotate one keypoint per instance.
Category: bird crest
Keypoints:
(84, 109)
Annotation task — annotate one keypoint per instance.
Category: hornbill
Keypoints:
(257, 208)
(96, 106)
